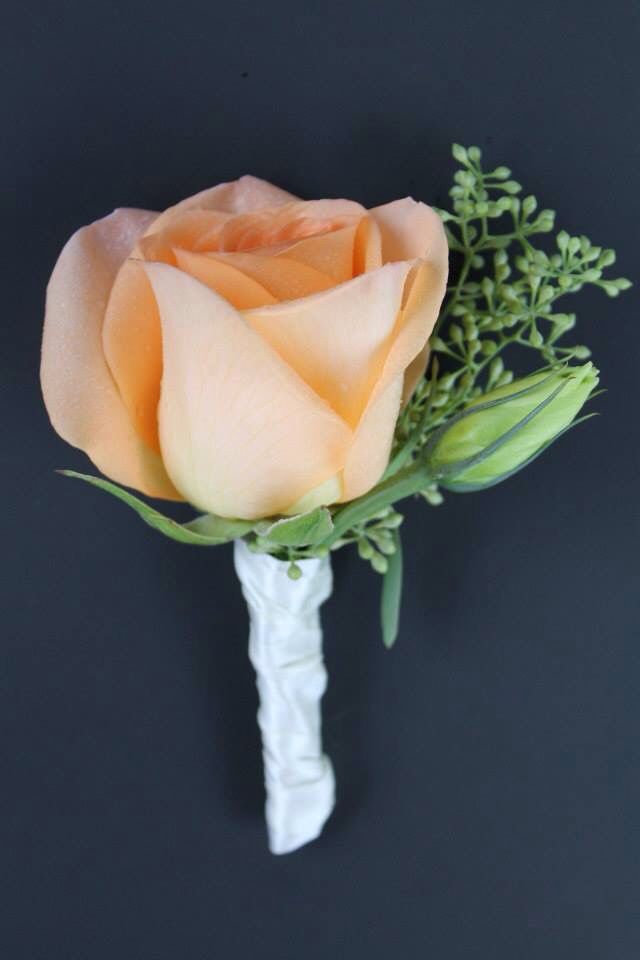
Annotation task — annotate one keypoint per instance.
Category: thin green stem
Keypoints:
(403, 484)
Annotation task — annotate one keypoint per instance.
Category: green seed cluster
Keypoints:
(505, 295)
(373, 538)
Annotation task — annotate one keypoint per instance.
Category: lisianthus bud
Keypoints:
(506, 428)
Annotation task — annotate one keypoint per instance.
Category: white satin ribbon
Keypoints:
(285, 647)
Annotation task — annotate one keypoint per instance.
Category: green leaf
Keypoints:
(392, 594)
(221, 528)
(204, 531)
(303, 530)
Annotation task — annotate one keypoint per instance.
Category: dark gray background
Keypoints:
(488, 766)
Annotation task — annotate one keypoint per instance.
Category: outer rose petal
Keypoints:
(426, 290)
(241, 434)
(414, 373)
(410, 230)
(338, 341)
(368, 247)
(238, 196)
(81, 398)
(363, 467)
(196, 230)
(369, 453)
(131, 331)
(133, 348)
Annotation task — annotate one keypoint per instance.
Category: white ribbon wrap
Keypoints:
(285, 647)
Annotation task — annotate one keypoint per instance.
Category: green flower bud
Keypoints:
(505, 429)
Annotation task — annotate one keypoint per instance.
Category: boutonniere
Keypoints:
(294, 370)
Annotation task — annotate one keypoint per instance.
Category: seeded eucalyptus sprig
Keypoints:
(504, 294)
(503, 297)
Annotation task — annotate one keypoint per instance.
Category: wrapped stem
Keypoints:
(285, 648)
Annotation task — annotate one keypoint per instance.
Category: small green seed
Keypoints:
(379, 563)
(365, 550)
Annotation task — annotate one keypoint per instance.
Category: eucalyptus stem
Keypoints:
(403, 484)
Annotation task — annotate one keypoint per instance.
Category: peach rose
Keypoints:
(244, 350)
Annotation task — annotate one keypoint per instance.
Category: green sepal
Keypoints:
(392, 594)
(303, 530)
(219, 528)
(205, 531)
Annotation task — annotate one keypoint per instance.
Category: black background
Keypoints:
(488, 766)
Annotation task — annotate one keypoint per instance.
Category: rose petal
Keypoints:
(337, 341)
(410, 230)
(425, 292)
(237, 287)
(133, 348)
(414, 373)
(328, 492)
(80, 395)
(241, 434)
(367, 247)
(131, 334)
(284, 279)
(132, 338)
(287, 223)
(369, 454)
(196, 230)
(238, 196)
(330, 253)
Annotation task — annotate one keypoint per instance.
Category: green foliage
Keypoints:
(391, 595)
(375, 536)
(204, 531)
(305, 529)
(504, 296)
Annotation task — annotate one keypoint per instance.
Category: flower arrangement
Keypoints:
(294, 370)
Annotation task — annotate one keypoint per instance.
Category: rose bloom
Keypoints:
(245, 350)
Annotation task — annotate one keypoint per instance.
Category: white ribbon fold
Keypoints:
(285, 647)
